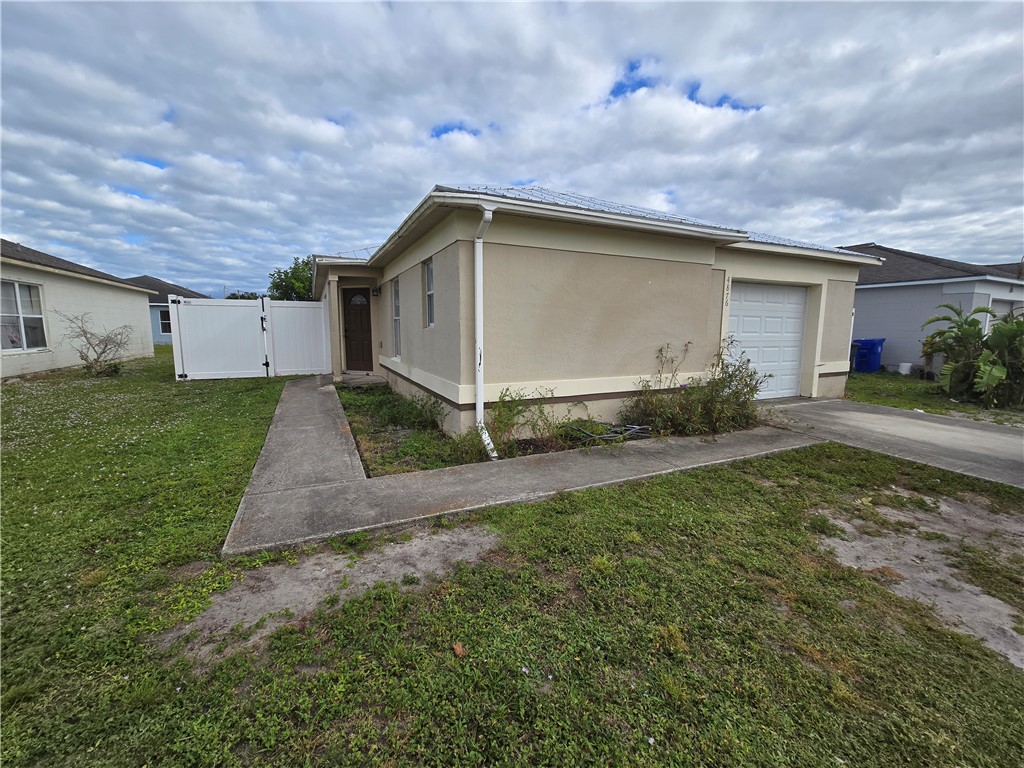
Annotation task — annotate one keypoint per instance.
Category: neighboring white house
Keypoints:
(36, 286)
(159, 309)
(893, 300)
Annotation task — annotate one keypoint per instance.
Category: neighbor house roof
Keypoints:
(164, 289)
(1014, 269)
(26, 255)
(907, 266)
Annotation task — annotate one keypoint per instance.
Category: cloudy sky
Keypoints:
(207, 143)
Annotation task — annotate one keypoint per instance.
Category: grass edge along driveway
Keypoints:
(687, 620)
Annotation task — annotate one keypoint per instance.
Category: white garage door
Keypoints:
(767, 322)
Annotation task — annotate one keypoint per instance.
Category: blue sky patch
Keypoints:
(125, 190)
(725, 100)
(631, 81)
(445, 128)
(169, 114)
(133, 239)
(147, 160)
(524, 182)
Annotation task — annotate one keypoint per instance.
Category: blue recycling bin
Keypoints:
(869, 355)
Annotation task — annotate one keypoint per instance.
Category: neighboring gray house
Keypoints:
(893, 300)
(38, 286)
(159, 309)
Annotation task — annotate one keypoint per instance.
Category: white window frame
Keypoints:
(396, 319)
(22, 315)
(428, 293)
(160, 316)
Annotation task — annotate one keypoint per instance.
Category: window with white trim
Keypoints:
(396, 314)
(428, 293)
(21, 316)
(165, 321)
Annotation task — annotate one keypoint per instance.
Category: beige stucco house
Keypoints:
(37, 286)
(484, 288)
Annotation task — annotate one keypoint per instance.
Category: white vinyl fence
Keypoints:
(234, 339)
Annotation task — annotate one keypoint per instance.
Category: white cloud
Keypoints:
(286, 129)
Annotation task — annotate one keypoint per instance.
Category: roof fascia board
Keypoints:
(940, 280)
(811, 253)
(422, 209)
(78, 275)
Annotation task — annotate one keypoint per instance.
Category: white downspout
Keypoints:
(478, 316)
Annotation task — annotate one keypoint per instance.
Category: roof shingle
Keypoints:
(907, 266)
(19, 252)
(163, 289)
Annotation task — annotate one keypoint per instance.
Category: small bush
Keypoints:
(722, 402)
(100, 350)
(517, 417)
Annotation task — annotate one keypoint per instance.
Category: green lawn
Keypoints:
(687, 620)
(912, 393)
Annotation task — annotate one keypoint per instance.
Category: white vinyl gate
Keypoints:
(235, 339)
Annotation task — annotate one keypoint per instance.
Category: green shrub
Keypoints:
(988, 368)
(516, 416)
(723, 401)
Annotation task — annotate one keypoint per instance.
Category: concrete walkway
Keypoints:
(988, 451)
(308, 484)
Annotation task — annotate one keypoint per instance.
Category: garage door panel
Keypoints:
(791, 355)
(767, 322)
(750, 325)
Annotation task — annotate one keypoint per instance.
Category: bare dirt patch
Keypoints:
(918, 564)
(283, 593)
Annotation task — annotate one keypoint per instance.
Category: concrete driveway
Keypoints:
(988, 451)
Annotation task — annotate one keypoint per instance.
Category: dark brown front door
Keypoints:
(358, 341)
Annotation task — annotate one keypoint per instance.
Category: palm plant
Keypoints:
(1000, 371)
(962, 342)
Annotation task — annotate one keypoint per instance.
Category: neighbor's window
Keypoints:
(428, 288)
(22, 316)
(397, 318)
(165, 321)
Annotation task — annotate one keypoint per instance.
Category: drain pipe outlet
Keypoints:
(478, 316)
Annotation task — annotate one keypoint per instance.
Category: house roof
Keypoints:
(535, 194)
(573, 200)
(539, 202)
(163, 289)
(26, 255)
(907, 266)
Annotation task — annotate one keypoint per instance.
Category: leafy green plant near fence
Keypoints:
(988, 368)
(721, 401)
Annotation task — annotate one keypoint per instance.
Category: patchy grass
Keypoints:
(687, 620)
(396, 434)
(911, 393)
(1001, 576)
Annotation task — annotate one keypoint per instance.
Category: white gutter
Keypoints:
(478, 317)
